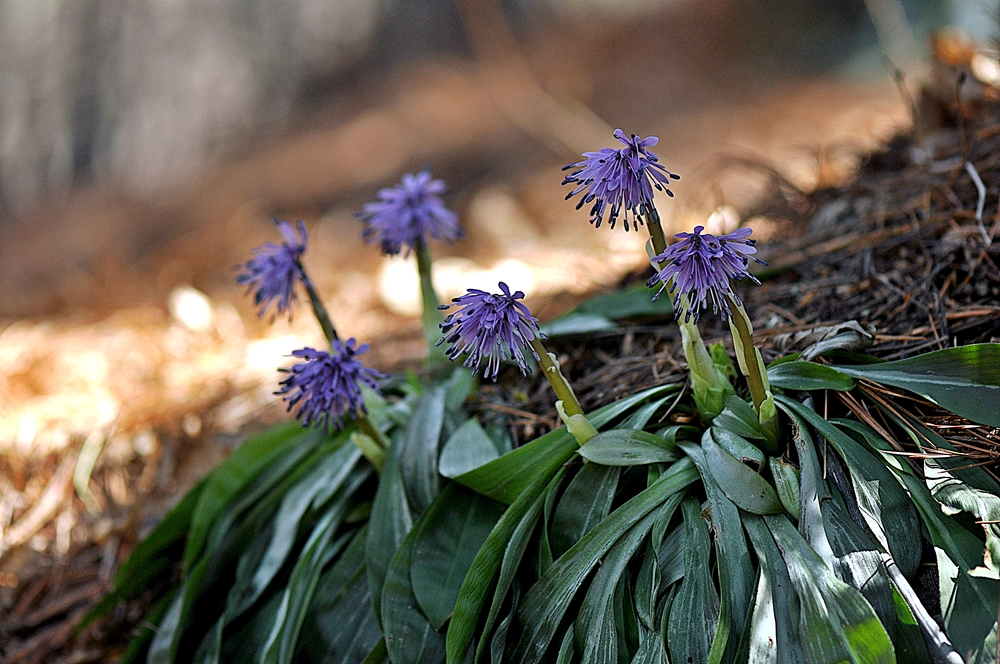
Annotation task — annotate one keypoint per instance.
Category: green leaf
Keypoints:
(451, 533)
(508, 538)
(740, 418)
(340, 627)
(626, 447)
(512, 556)
(738, 481)
(836, 623)
(774, 629)
(298, 594)
(542, 609)
(409, 637)
(632, 302)
(736, 571)
(585, 503)
(695, 611)
(965, 379)
(884, 504)
(968, 603)
(574, 323)
(267, 450)
(389, 523)
(468, 448)
(808, 376)
(786, 483)
(596, 637)
(504, 478)
(736, 445)
(149, 558)
(418, 461)
(328, 476)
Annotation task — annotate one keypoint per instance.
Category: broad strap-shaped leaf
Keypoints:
(695, 610)
(808, 376)
(736, 571)
(543, 608)
(738, 481)
(628, 447)
(468, 448)
(504, 478)
(451, 533)
(884, 504)
(340, 627)
(774, 633)
(585, 503)
(836, 624)
(964, 379)
(421, 446)
(596, 637)
(389, 523)
(297, 596)
(409, 636)
(506, 541)
(274, 450)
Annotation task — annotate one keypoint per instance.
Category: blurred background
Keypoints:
(146, 144)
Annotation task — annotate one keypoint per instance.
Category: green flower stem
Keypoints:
(656, 234)
(558, 382)
(322, 316)
(752, 366)
(431, 315)
(371, 441)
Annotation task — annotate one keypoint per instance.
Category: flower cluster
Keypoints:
(409, 213)
(328, 385)
(274, 269)
(623, 179)
(494, 326)
(701, 267)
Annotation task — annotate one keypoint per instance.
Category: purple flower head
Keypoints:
(328, 385)
(494, 326)
(702, 267)
(409, 213)
(274, 269)
(622, 178)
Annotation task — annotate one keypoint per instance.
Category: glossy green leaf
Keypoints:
(643, 414)
(506, 541)
(671, 557)
(836, 623)
(389, 523)
(744, 451)
(695, 610)
(808, 376)
(736, 570)
(340, 627)
(968, 603)
(965, 379)
(542, 609)
(776, 612)
(298, 594)
(596, 637)
(328, 475)
(738, 481)
(577, 323)
(812, 490)
(787, 480)
(740, 418)
(884, 504)
(585, 503)
(627, 447)
(468, 448)
(512, 556)
(633, 302)
(273, 449)
(908, 639)
(451, 532)
(421, 443)
(409, 636)
(504, 478)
